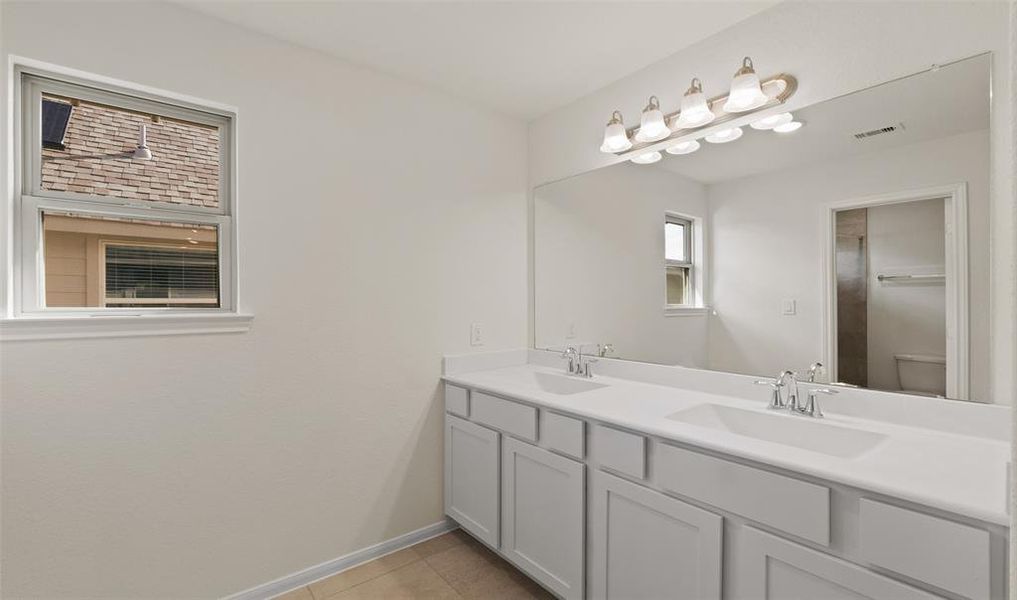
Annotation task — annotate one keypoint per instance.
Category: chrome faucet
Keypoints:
(780, 382)
(815, 368)
(578, 364)
(792, 393)
(790, 401)
(571, 353)
(583, 367)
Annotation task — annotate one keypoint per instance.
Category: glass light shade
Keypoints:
(788, 127)
(652, 126)
(725, 135)
(616, 139)
(647, 158)
(683, 147)
(695, 111)
(772, 121)
(746, 92)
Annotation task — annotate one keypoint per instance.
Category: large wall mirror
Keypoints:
(859, 241)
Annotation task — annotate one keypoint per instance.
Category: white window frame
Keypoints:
(25, 315)
(695, 245)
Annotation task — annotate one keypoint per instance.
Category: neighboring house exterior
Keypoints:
(90, 261)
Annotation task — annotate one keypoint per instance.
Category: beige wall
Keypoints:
(67, 272)
(197, 466)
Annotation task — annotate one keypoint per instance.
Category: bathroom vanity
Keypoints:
(648, 481)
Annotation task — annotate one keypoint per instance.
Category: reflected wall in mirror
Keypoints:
(860, 241)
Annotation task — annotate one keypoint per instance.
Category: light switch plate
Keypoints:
(476, 334)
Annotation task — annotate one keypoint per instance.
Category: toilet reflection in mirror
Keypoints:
(859, 241)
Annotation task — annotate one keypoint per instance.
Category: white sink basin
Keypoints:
(564, 385)
(782, 428)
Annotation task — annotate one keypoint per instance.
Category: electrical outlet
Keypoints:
(789, 307)
(476, 334)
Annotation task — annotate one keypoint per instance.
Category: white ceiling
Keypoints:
(932, 105)
(521, 58)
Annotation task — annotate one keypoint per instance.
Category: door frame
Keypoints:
(955, 200)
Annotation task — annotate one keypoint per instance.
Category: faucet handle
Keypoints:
(776, 402)
(812, 406)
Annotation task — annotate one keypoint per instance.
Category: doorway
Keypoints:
(897, 292)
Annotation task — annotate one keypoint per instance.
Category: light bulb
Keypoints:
(695, 111)
(772, 121)
(684, 147)
(616, 139)
(647, 158)
(746, 92)
(788, 127)
(651, 125)
(725, 135)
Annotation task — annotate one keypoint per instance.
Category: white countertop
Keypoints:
(957, 473)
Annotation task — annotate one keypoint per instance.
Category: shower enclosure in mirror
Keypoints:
(859, 241)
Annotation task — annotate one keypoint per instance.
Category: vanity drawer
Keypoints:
(946, 554)
(796, 507)
(620, 451)
(457, 400)
(561, 433)
(511, 417)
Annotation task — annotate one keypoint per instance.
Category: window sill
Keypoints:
(78, 327)
(686, 311)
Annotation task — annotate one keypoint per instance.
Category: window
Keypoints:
(124, 202)
(679, 267)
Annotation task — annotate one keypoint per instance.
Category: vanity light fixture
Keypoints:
(658, 131)
(746, 91)
(772, 121)
(724, 135)
(695, 111)
(616, 139)
(652, 126)
(647, 158)
(683, 148)
(788, 127)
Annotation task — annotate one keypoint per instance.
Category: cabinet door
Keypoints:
(775, 569)
(644, 544)
(543, 513)
(471, 478)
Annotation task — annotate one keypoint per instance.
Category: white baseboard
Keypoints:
(336, 565)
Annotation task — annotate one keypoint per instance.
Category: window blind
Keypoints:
(143, 274)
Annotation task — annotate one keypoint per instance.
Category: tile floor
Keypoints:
(453, 566)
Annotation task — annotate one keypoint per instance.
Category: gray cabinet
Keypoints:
(771, 568)
(644, 544)
(543, 511)
(471, 477)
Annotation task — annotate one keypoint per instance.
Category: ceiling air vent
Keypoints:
(880, 131)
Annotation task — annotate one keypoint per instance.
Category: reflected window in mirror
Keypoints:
(679, 275)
